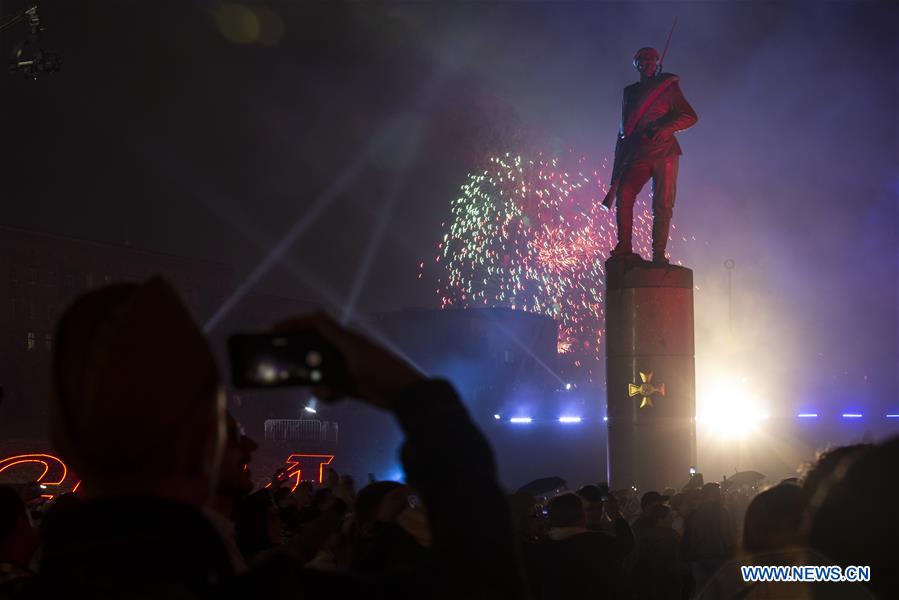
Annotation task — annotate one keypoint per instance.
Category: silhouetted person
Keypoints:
(830, 466)
(577, 562)
(395, 536)
(594, 506)
(365, 517)
(527, 517)
(257, 525)
(18, 541)
(656, 574)
(708, 536)
(138, 412)
(234, 484)
(855, 523)
(679, 506)
(653, 110)
(774, 519)
(773, 535)
(646, 519)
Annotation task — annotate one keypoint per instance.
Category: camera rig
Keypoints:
(27, 58)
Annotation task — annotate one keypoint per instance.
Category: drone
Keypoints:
(27, 58)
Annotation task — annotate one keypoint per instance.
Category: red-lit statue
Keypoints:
(652, 111)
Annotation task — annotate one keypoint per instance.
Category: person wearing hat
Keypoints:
(653, 110)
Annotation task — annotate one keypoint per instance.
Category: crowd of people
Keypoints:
(167, 506)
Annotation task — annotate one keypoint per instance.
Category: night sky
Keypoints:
(208, 129)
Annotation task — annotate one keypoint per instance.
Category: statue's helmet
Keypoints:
(646, 54)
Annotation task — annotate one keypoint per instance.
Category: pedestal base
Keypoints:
(650, 374)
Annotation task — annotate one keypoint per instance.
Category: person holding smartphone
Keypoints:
(138, 411)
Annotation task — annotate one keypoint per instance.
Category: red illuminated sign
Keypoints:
(300, 464)
(54, 473)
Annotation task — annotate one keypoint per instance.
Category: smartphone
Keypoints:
(604, 492)
(274, 360)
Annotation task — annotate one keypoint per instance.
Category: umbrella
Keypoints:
(539, 487)
(742, 478)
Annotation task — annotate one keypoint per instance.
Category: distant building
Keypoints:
(41, 274)
(496, 357)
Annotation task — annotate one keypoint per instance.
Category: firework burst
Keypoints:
(529, 234)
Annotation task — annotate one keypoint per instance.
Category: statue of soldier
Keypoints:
(652, 111)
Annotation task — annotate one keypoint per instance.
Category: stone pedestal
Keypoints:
(650, 373)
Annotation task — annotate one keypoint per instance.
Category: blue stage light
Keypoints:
(397, 474)
(852, 415)
(567, 386)
(605, 418)
(807, 415)
(569, 419)
(497, 417)
(520, 420)
(892, 416)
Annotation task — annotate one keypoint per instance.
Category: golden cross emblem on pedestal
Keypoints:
(645, 389)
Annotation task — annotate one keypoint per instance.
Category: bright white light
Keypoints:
(569, 419)
(807, 415)
(728, 408)
(567, 386)
(497, 417)
(520, 420)
(309, 409)
(892, 416)
(852, 415)
(605, 418)
(266, 373)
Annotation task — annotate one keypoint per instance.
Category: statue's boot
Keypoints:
(624, 216)
(660, 226)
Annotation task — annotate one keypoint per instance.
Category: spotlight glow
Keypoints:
(309, 409)
(807, 415)
(729, 409)
(497, 417)
(266, 373)
(569, 419)
(520, 420)
(852, 415)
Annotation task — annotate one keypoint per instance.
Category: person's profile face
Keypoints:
(235, 471)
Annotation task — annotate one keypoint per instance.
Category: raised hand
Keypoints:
(376, 375)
